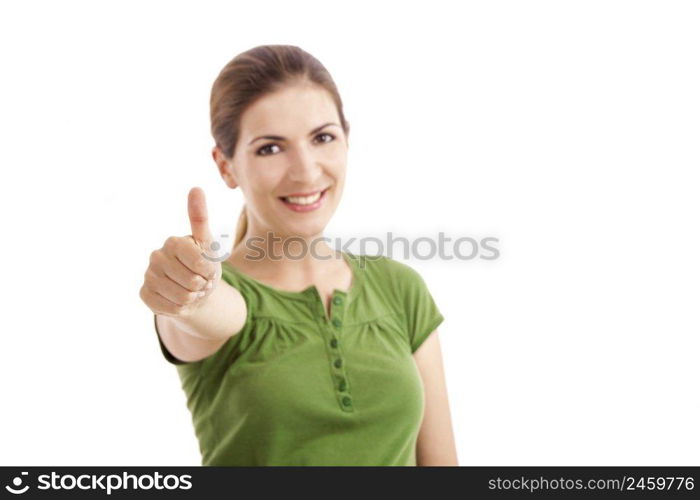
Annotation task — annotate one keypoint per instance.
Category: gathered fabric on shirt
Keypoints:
(300, 386)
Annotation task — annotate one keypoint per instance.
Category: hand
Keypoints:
(179, 278)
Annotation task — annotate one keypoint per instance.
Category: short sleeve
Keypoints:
(421, 312)
(231, 279)
(166, 354)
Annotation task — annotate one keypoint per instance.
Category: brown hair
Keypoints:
(249, 76)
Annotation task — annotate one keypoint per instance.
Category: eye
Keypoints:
(264, 151)
(332, 137)
(264, 148)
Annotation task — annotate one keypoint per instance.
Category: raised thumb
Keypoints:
(199, 219)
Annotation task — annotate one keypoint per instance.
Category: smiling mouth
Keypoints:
(304, 200)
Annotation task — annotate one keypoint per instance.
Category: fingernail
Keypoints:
(200, 294)
(209, 284)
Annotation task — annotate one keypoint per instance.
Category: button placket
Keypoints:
(332, 328)
(337, 316)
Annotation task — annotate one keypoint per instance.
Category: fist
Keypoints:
(179, 278)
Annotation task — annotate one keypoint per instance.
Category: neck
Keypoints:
(293, 256)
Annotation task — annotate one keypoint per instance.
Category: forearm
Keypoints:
(220, 316)
(445, 455)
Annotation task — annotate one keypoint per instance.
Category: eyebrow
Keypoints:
(280, 138)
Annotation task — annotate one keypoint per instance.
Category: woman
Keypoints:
(289, 352)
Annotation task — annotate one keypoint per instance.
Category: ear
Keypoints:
(225, 167)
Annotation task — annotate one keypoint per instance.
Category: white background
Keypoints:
(568, 130)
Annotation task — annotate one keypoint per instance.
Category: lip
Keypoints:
(306, 208)
(304, 194)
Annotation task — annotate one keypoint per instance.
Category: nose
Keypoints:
(304, 168)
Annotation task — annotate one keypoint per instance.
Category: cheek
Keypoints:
(263, 181)
(334, 157)
(337, 170)
(337, 161)
(336, 152)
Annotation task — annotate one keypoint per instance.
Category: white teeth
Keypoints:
(303, 200)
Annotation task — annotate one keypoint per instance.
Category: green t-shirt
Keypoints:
(296, 387)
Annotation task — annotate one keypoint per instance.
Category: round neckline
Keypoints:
(310, 292)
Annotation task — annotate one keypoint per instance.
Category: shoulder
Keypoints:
(245, 287)
(410, 296)
(389, 274)
(394, 271)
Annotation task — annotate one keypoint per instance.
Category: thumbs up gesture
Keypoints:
(179, 277)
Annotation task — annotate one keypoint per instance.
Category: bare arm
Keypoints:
(205, 330)
(195, 311)
(436, 444)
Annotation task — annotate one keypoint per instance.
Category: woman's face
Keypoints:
(307, 155)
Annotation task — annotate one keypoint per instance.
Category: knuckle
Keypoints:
(185, 297)
(205, 268)
(153, 280)
(181, 297)
(195, 282)
(200, 264)
(192, 253)
(200, 261)
(148, 275)
(170, 242)
(179, 309)
(147, 299)
(170, 309)
(153, 257)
